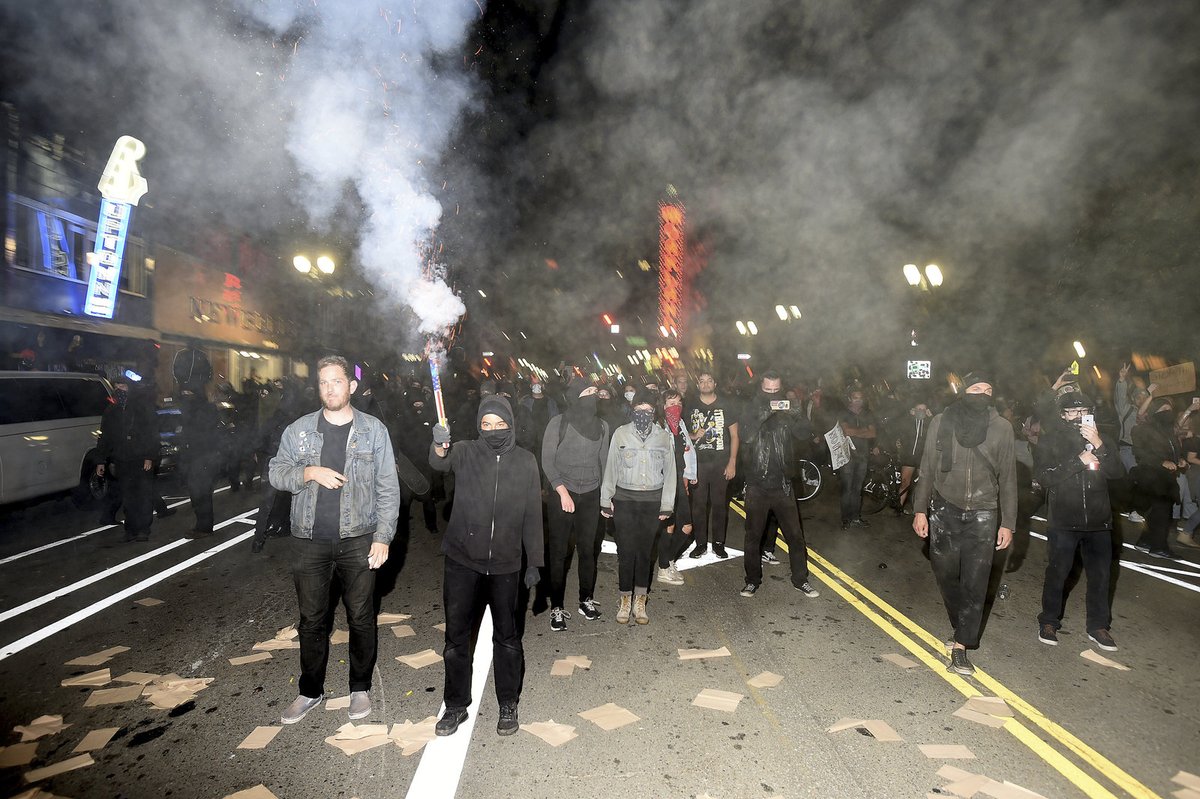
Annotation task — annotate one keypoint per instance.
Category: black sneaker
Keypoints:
(859, 523)
(698, 551)
(256, 545)
(807, 589)
(448, 723)
(1048, 635)
(589, 609)
(558, 619)
(749, 589)
(959, 663)
(507, 724)
(1166, 554)
(719, 551)
(770, 559)
(1103, 639)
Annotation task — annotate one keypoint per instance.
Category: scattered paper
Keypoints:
(901, 661)
(340, 703)
(99, 658)
(609, 717)
(339, 637)
(351, 739)
(93, 679)
(172, 690)
(259, 738)
(384, 619)
(40, 727)
(137, 677)
(411, 738)
(991, 705)
(966, 713)
(37, 793)
(403, 631)
(273, 644)
(113, 696)
(1008, 790)
(257, 792)
(419, 660)
(946, 752)
(1186, 793)
(70, 764)
(551, 732)
(244, 659)
(562, 668)
(1088, 654)
(845, 724)
(148, 602)
(880, 730)
(1187, 780)
(350, 731)
(696, 654)
(96, 739)
(441, 626)
(726, 701)
(17, 754)
(968, 786)
(765, 680)
(287, 633)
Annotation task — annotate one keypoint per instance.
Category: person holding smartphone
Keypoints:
(1074, 463)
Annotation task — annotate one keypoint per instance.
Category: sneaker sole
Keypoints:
(1105, 647)
(1047, 641)
(963, 672)
(554, 629)
(507, 730)
(283, 720)
(449, 732)
(357, 716)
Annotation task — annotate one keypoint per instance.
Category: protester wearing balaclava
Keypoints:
(127, 448)
(1155, 477)
(498, 491)
(574, 449)
(970, 463)
(638, 491)
(858, 425)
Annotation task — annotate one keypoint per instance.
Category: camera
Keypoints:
(781, 405)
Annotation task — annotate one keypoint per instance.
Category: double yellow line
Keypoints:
(927, 648)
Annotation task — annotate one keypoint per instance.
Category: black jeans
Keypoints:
(573, 533)
(136, 491)
(1096, 546)
(266, 502)
(962, 545)
(851, 476)
(710, 488)
(636, 527)
(465, 593)
(200, 475)
(314, 562)
(760, 504)
(1158, 524)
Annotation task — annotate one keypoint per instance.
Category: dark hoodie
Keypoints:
(497, 499)
(574, 457)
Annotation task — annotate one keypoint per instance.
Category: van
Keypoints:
(49, 428)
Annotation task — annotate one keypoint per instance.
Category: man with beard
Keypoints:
(769, 431)
(338, 464)
(497, 513)
(1074, 463)
(969, 477)
(574, 449)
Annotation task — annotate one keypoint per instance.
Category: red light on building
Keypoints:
(672, 254)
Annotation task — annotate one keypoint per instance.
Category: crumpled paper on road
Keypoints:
(93, 679)
(97, 658)
(697, 654)
(551, 731)
(62, 766)
(609, 717)
(411, 738)
(351, 739)
(40, 727)
(170, 691)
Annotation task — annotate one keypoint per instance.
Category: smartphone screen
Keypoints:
(781, 405)
(1089, 419)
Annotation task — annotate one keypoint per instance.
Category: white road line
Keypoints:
(61, 592)
(91, 610)
(442, 759)
(86, 581)
(1147, 569)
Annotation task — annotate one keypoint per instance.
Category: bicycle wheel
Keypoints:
(808, 481)
(874, 494)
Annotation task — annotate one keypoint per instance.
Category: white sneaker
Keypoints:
(665, 576)
(1136, 517)
(675, 572)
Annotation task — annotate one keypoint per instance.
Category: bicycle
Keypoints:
(881, 488)
(808, 480)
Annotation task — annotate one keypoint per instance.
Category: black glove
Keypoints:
(532, 575)
(441, 435)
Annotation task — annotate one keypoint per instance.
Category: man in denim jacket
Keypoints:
(339, 466)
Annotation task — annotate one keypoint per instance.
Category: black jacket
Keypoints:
(497, 501)
(1077, 497)
(767, 445)
(129, 432)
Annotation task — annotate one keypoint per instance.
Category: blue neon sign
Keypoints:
(105, 277)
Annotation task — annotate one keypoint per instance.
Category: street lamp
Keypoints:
(931, 278)
(753, 328)
(781, 312)
(1079, 349)
(741, 327)
(934, 274)
(325, 265)
(912, 274)
(302, 264)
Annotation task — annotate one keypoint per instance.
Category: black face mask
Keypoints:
(497, 440)
(976, 402)
(122, 397)
(587, 405)
(765, 398)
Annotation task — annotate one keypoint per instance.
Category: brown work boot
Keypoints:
(639, 609)
(624, 610)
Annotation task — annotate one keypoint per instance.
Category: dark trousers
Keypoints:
(200, 475)
(266, 501)
(710, 490)
(428, 508)
(573, 533)
(636, 526)
(1158, 524)
(672, 545)
(465, 594)
(1096, 547)
(314, 562)
(136, 490)
(759, 505)
(851, 476)
(962, 545)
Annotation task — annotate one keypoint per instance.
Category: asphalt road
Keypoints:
(1080, 729)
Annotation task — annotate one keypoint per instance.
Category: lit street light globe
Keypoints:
(912, 274)
(326, 265)
(302, 264)
(934, 273)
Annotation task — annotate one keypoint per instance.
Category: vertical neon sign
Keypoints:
(121, 186)
(672, 246)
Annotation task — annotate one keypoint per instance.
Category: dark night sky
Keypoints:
(1043, 154)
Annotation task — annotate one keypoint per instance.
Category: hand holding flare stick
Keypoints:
(434, 355)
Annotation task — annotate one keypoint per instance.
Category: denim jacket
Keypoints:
(637, 465)
(371, 497)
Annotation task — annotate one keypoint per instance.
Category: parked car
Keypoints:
(49, 428)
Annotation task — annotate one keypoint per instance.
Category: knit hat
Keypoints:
(979, 376)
